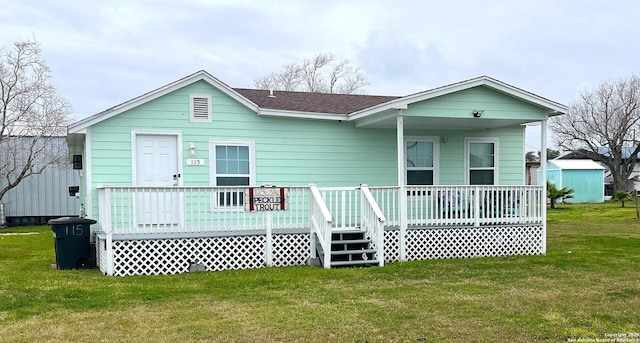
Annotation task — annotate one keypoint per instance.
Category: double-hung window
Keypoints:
(422, 159)
(482, 161)
(233, 165)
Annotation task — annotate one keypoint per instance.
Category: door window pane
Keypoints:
(420, 154)
(481, 155)
(481, 177)
(419, 177)
(481, 161)
(420, 167)
(232, 181)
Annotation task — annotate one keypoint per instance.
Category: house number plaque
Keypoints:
(195, 161)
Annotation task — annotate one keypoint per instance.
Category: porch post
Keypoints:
(269, 239)
(543, 168)
(109, 253)
(105, 225)
(402, 192)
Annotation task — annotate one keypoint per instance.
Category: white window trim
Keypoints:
(496, 157)
(436, 156)
(191, 109)
(238, 142)
(212, 167)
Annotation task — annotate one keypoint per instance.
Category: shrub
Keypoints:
(622, 196)
(554, 194)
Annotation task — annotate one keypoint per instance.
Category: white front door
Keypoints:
(157, 166)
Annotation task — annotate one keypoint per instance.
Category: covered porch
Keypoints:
(167, 230)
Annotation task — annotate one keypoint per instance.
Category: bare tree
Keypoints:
(320, 73)
(290, 78)
(604, 125)
(33, 116)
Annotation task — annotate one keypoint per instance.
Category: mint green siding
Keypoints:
(288, 151)
(291, 151)
(452, 153)
(495, 105)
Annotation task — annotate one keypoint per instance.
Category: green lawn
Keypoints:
(586, 287)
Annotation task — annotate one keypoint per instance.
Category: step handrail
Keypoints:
(321, 222)
(373, 203)
(373, 221)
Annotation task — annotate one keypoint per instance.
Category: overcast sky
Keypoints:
(105, 53)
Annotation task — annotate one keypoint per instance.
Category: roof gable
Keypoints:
(553, 108)
(201, 75)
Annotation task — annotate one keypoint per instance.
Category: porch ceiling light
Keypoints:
(192, 148)
(477, 113)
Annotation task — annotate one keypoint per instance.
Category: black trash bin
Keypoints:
(71, 241)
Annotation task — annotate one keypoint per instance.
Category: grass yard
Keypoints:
(587, 287)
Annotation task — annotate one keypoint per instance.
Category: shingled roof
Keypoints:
(312, 102)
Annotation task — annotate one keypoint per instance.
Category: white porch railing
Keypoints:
(157, 210)
(199, 211)
(344, 204)
(348, 208)
(463, 205)
(145, 210)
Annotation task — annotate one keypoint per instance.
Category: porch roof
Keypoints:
(384, 115)
(552, 107)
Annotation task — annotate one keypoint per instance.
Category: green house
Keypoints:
(197, 174)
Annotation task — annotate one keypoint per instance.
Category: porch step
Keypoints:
(354, 263)
(349, 252)
(350, 248)
(356, 244)
(347, 235)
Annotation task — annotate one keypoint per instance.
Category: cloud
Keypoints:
(104, 53)
(396, 64)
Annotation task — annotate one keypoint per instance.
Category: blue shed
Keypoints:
(585, 177)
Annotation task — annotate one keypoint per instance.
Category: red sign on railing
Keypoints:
(266, 199)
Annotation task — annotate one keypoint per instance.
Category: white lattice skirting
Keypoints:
(424, 244)
(176, 255)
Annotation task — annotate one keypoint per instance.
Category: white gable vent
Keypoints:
(200, 107)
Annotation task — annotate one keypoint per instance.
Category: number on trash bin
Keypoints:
(77, 230)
